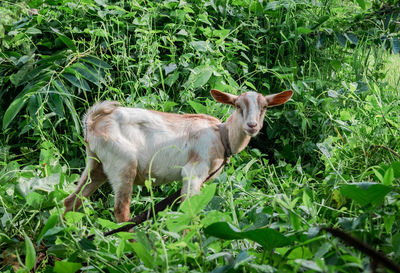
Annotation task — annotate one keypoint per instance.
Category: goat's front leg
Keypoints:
(193, 174)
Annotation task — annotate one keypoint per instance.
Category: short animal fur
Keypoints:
(122, 142)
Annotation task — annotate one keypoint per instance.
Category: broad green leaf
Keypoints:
(341, 39)
(66, 267)
(56, 103)
(365, 193)
(80, 83)
(361, 3)
(198, 107)
(34, 199)
(13, 110)
(351, 38)
(87, 244)
(30, 258)
(84, 71)
(96, 61)
(35, 3)
(74, 217)
(107, 223)
(201, 46)
(388, 177)
(179, 222)
(33, 31)
(51, 222)
(67, 41)
(268, 238)
(143, 254)
(199, 76)
(193, 205)
(304, 30)
(345, 115)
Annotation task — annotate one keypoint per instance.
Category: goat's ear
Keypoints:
(279, 98)
(224, 97)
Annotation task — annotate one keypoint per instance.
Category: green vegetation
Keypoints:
(327, 157)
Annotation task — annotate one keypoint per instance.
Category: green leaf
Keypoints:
(13, 110)
(199, 76)
(178, 223)
(143, 254)
(396, 168)
(80, 83)
(267, 237)
(34, 199)
(67, 41)
(66, 267)
(395, 45)
(33, 31)
(198, 107)
(96, 61)
(201, 46)
(51, 222)
(84, 71)
(56, 103)
(35, 3)
(193, 205)
(361, 3)
(304, 30)
(388, 177)
(365, 193)
(30, 258)
(351, 38)
(73, 217)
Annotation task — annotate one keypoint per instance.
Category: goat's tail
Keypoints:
(96, 113)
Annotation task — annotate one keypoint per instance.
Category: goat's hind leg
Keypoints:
(122, 179)
(95, 173)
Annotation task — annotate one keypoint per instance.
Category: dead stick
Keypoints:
(376, 256)
(388, 149)
(144, 216)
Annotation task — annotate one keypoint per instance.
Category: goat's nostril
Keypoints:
(252, 124)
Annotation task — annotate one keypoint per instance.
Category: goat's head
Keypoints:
(251, 107)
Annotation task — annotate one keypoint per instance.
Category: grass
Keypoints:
(328, 157)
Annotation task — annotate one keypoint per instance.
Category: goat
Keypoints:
(122, 144)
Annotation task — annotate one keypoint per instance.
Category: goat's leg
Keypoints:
(97, 177)
(122, 183)
(193, 175)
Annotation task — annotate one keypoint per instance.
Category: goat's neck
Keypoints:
(238, 139)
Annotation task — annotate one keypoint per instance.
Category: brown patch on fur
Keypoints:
(124, 193)
(247, 104)
(96, 119)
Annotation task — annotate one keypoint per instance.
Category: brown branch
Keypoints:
(387, 148)
(146, 215)
(377, 257)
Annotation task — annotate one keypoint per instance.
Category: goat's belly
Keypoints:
(159, 176)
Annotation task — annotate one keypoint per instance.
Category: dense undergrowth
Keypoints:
(327, 157)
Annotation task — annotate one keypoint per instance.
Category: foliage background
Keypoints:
(328, 157)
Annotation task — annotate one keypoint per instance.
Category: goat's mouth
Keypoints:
(251, 131)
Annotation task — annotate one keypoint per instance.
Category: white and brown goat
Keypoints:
(122, 144)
